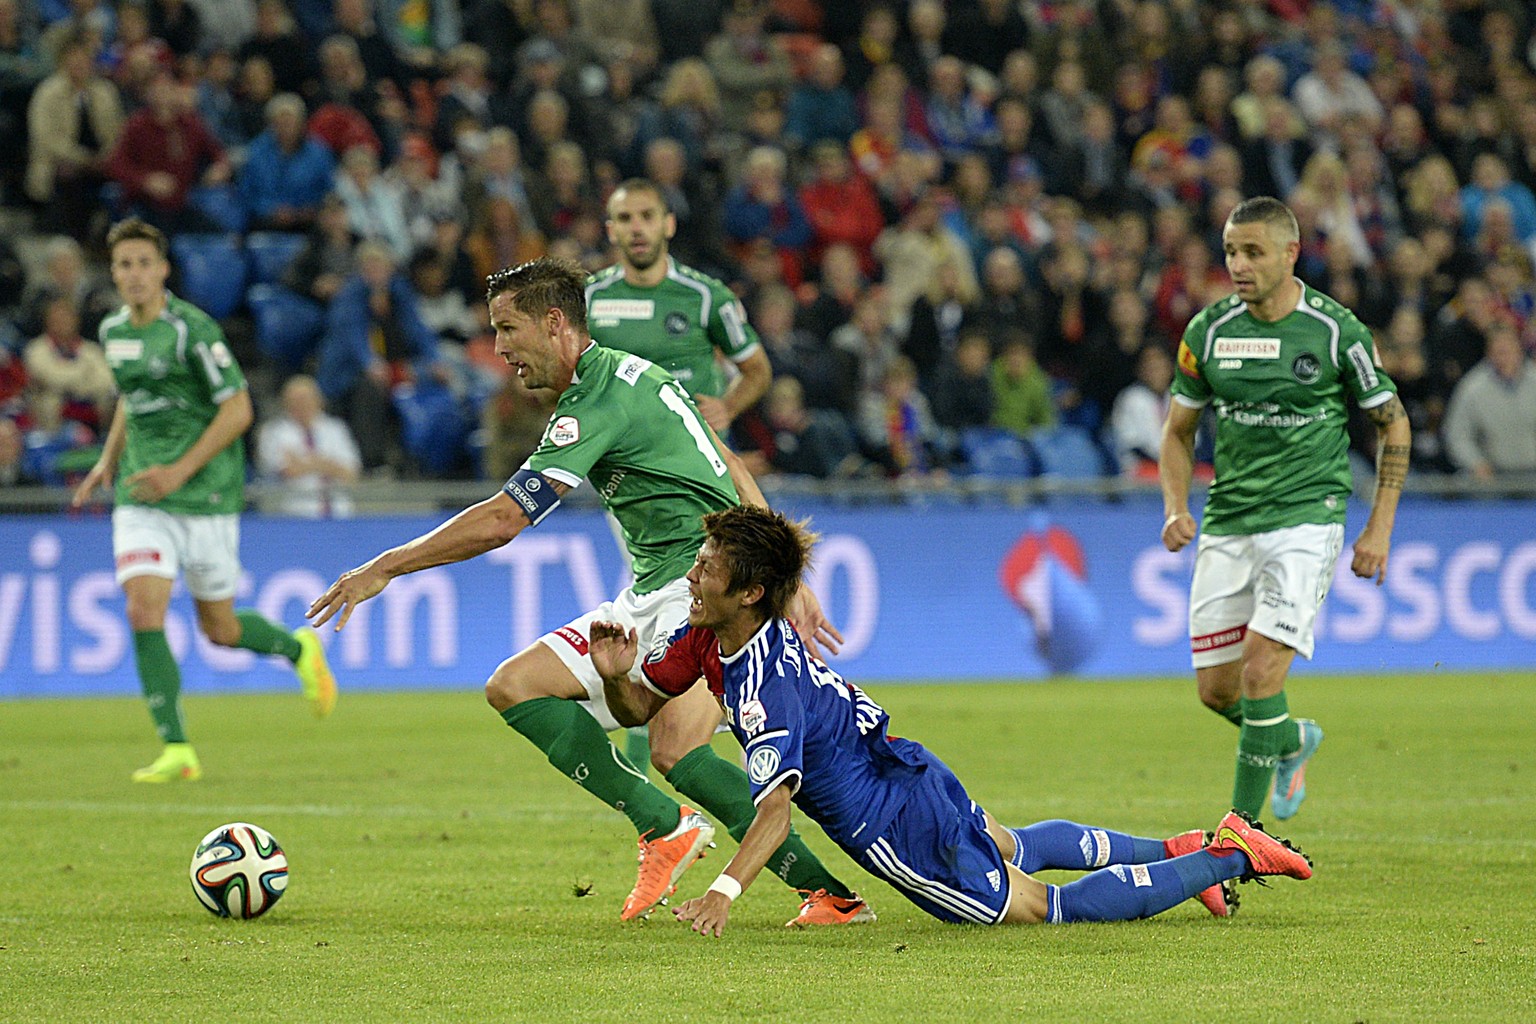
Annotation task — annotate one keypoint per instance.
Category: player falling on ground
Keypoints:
(176, 451)
(1278, 360)
(892, 806)
(631, 429)
(649, 304)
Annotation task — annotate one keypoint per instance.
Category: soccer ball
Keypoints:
(238, 870)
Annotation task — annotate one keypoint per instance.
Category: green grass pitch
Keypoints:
(441, 870)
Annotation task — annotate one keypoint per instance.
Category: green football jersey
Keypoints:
(630, 428)
(678, 324)
(173, 373)
(1279, 389)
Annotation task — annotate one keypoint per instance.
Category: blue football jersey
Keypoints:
(804, 726)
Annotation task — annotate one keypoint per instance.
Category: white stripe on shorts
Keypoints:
(882, 856)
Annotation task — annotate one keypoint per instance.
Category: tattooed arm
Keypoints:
(1394, 441)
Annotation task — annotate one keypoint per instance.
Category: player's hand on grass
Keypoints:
(1178, 530)
(100, 477)
(1371, 555)
(815, 629)
(708, 913)
(349, 591)
(156, 482)
(612, 649)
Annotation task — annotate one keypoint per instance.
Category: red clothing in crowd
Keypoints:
(183, 148)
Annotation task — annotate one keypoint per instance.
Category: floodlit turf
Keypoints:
(441, 870)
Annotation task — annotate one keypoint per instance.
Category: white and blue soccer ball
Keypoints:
(238, 870)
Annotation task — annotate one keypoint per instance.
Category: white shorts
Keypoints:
(657, 613)
(204, 549)
(1272, 583)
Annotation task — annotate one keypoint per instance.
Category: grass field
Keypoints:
(437, 863)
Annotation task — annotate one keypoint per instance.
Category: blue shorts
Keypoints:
(937, 852)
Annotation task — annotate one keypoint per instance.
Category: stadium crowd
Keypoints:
(968, 234)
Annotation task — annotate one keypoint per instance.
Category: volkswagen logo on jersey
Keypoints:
(1045, 575)
(763, 764)
(676, 323)
(1306, 368)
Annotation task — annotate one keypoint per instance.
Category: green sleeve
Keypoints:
(574, 442)
(1362, 373)
(728, 328)
(211, 361)
(1188, 379)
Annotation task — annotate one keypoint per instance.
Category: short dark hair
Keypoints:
(1266, 210)
(542, 284)
(644, 185)
(763, 548)
(135, 230)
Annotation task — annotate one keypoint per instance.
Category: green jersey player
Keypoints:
(1277, 360)
(176, 452)
(651, 305)
(628, 427)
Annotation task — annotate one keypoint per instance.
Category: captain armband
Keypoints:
(534, 494)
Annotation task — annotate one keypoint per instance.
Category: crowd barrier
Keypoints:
(927, 593)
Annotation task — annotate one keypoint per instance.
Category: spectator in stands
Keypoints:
(562, 193)
(923, 43)
(282, 45)
(68, 376)
(374, 339)
(352, 109)
(375, 208)
(514, 420)
(65, 273)
(307, 456)
(821, 108)
(380, 55)
(1459, 338)
(13, 386)
(959, 121)
(423, 196)
(839, 285)
(935, 320)
(1006, 302)
(216, 98)
(840, 206)
(1331, 93)
(1136, 422)
(693, 202)
(501, 239)
(800, 441)
(764, 207)
(896, 426)
(466, 95)
(1072, 311)
(1264, 76)
(1490, 424)
(1021, 392)
(870, 345)
(254, 89)
(165, 151)
(286, 174)
(1404, 358)
(74, 120)
(13, 470)
(1094, 168)
(688, 110)
(1491, 182)
(912, 252)
(745, 60)
(961, 395)
(1273, 160)
(328, 258)
(498, 173)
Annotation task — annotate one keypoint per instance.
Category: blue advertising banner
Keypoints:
(947, 592)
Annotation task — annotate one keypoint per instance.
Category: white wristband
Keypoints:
(726, 886)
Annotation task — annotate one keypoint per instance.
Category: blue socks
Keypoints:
(1073, 847)
(1131, 891)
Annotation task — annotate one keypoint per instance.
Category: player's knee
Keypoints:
(663, 757)
(222, 633)
(508, 687)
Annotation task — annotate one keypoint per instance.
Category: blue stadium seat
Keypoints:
(270, 254)
(220, 204)
(212, 272)
(434, 430)
(1068, 453)
(994, 452)
(288, 326)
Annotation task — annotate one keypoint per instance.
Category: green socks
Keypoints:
(721, 789)
(577, 746)
(259, 635)
(637, 747)
(160, 680)
(1269, 733)
(1232, 713)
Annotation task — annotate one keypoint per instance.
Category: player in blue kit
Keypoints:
(890, 804)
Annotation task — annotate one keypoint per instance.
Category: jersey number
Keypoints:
(673, 398)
